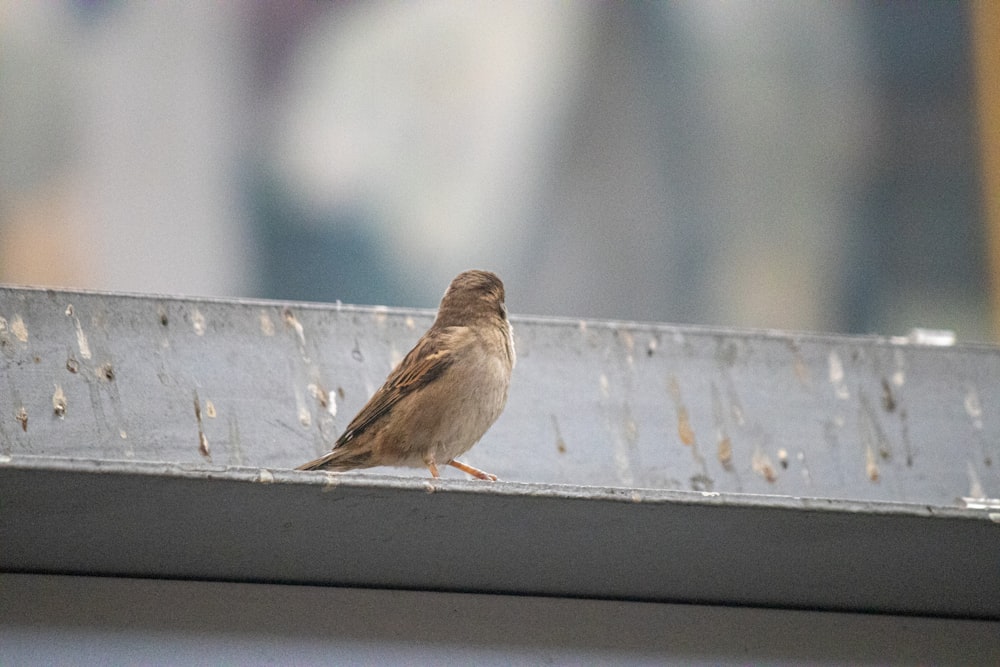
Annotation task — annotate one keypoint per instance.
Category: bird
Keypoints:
(445, 393)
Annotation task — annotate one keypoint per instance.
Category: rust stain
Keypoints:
(888, 400)
(725, 452)
(761, 464)
(684, 429)
(560, 443)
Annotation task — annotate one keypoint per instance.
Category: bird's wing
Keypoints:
(422, 365)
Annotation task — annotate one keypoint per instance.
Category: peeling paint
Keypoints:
(761, 464)
(836, 371)
(266, 325)
(198, 322)
(82, 344)
(19, 329)
(59, 402)
(974, 408)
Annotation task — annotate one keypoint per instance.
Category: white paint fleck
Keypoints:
(605, 386)
(198, 322)
(210, 409)
(410, 324)
(836, 368)
(81, 338)
(899, 376)
(974, 408)
(300, 332)
(975, 484)
(265, 476)
(266, 324)
(18, 328)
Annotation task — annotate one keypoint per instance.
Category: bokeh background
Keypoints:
(795, 164)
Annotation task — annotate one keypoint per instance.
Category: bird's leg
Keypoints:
(433, 468)
(475, 472)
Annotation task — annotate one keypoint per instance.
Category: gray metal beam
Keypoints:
(158, 520)
(152, 436)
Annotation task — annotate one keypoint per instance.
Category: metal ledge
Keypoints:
(159, 520)
(154, 436)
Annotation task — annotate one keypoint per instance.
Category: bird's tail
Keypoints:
(339, 460)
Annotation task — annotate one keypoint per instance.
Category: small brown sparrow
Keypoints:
(448, 390)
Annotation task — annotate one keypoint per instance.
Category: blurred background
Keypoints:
(796, 164)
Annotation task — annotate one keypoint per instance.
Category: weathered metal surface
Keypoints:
(148, 378)
(158, 520)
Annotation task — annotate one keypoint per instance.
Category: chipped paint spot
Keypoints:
(801, 458)
(198, 322)
(107, 371)
(871, 464)
(330, 482)
(18, 328)
(122, 434)
(725, 453)
(265, 476)
(266, 324)
(975, 484)
(59, 402)
(836, 370)
(560, 443)
(203, 448)
(974, 408)
(684, 429)
(22, 417)
(761, 464)
(326, 400)
(888, 400)
(82, 344)
(899, 375)
(629, 342)
(210, 409)
(783, 458)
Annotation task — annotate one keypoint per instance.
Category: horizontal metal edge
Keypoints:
(529, 319)
(165, 521)
(977, 509)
